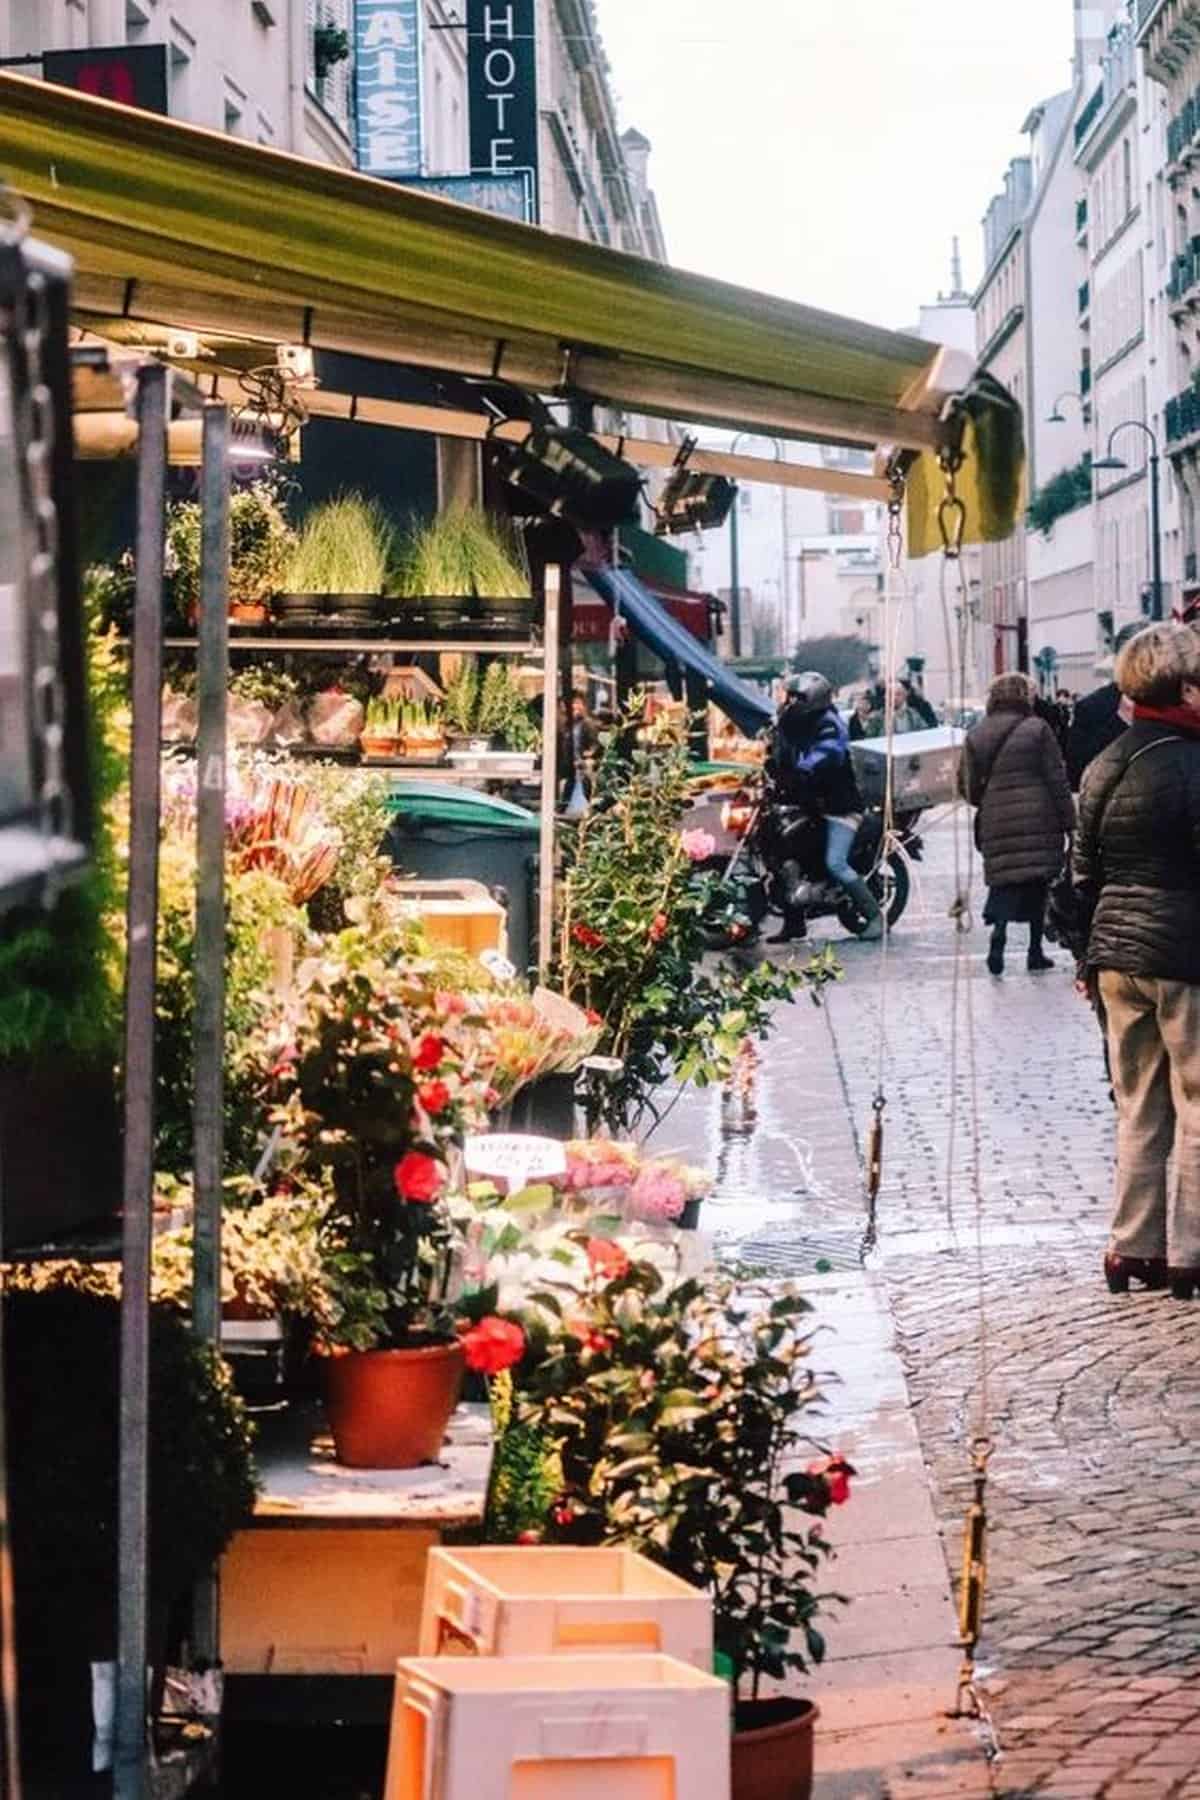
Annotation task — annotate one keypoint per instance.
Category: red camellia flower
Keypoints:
(418, 1177)
(658, 928)
(429, 1052)
(593, 1017)
(493, 1346)
(606, 1258)
(434, 1097)
(835, 1472)
(585, 935)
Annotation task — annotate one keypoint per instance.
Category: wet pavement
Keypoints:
(1091, 1644)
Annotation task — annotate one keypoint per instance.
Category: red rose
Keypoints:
(658, 928)
(418, 1177)
(434, 1097)
(835, 1472)
(607, 1259)
(493, 1346)
(585, 935)
(429, 1052)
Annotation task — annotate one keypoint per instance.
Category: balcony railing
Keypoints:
(1146, 10)
(1184, 128)
(1185, 272)
(1183, 416)
(1089, 115)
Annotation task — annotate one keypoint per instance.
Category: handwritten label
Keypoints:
(514, 1158)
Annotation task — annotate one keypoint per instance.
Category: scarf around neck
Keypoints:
(1182, 718)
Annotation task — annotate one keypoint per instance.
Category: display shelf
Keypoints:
(378, 645)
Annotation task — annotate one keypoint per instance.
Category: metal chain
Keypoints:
(54, 805)
(952, 511)
(895, 519)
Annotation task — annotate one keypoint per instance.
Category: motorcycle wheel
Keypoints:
(891, 886)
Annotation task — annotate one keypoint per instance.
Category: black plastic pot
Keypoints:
(60, 1149)
(464, 616)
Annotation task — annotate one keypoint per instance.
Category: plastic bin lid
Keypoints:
(437, 803)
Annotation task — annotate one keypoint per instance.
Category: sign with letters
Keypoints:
(387, 50)
(132, 74)
(502, 86)
(507, 196)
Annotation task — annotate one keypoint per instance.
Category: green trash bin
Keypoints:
(444, 833)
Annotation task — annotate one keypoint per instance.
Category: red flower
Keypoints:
(429, 1052)
(434, 1097)
(658, 928)
(493, 1346)
(418, 1177)
(835, 1472)
(584, 934)
(607, 1259)
(593, 1017)
(491, 1097)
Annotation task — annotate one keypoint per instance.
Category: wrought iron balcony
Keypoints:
(1183, 416)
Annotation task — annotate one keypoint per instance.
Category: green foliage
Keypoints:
(678, 1416)
(270, 1258)
(840, 659)
(260, 544)
(60, 972)
(462, 552)
(354, 801)
(1063, 493)
(503, 712)
(256, 901)
(267, 682)
(61, 1364)
(462, 698)
(345, 547)
(632, 935)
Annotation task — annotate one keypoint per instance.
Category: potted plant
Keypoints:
(462, 709)
(260, 543)
(679, 1418)
(340, 561)
(380, 736)
(374, 1094)
(462, 570)
(422, 730)
(62, 1397)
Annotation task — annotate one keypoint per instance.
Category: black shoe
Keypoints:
(1037, 960)
(995, 960)
(791, 934)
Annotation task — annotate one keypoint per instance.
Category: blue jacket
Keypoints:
(812, 762)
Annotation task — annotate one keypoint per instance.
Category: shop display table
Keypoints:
(326, 1581)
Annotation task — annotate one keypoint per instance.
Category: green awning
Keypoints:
(186, 227)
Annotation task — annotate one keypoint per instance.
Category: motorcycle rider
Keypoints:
(810, 760)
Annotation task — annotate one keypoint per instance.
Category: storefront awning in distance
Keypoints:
(186, 227)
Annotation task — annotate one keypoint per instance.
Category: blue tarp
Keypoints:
(649, 620)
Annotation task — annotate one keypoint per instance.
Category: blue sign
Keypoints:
(387, 51)
(508, 196)
(502, 86)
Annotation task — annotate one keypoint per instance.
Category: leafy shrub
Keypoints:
(1064, 493)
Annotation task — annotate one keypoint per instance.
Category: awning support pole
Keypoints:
(549, 773)
(129, 1758)
(212, 679)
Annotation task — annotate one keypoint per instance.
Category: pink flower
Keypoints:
(658, 928)
(699, 845)
(658, 1193)
(606, 1258)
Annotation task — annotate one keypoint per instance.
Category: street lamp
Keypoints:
(1056, 416)
(735, 560)
(1116, 464)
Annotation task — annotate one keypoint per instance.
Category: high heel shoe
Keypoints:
(1184, 1283)
(1151, 1271)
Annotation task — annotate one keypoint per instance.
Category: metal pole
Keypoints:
(129, 1760)
(1156, 595)
(735, 574)
(212, 673)
(549, 774)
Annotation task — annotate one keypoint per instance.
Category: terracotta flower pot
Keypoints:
(378, 746)
(388, 1409)
(245, 612)
(773, 1749)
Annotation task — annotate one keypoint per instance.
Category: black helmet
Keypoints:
(807, 693)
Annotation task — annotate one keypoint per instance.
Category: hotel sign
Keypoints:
(502, 86)
(387, 52)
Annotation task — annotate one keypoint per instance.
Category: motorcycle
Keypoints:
(773, 833)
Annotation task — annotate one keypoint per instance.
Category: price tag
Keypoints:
(514, 1158)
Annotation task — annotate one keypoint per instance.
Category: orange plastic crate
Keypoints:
(534, 1602)
(558, 1728)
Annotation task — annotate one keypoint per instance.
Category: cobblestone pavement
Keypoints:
(1091, 1648)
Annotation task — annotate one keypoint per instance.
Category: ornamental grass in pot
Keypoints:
(340, 561)
(375, 1090)
(679, 1416)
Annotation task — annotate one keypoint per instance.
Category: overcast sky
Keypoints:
(828, 150)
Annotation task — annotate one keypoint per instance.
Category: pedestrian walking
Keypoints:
(1097, 720)
(1013, 772)
(907, 716)
(1136, 869)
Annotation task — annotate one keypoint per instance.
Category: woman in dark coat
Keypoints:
(1013, 771)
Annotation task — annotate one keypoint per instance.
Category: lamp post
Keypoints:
(1118, 464)
(735, 556)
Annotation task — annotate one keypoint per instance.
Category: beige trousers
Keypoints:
(1154, 1047)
